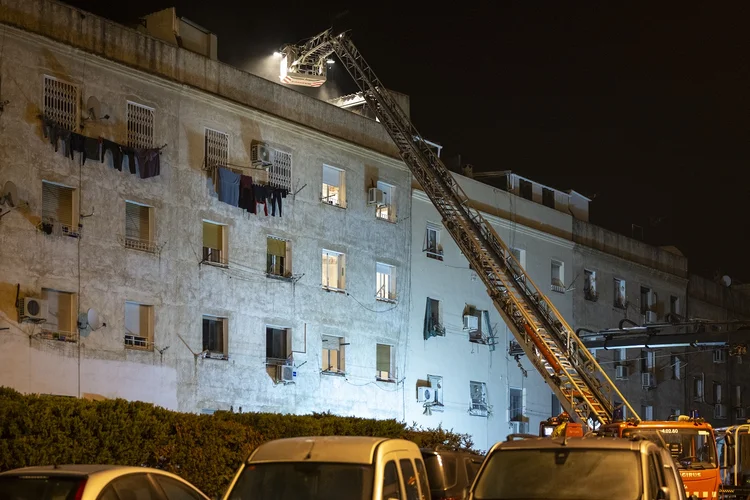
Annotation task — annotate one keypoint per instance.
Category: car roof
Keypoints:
(466, 453)
(340, 449)
(589, 442)
(70, 469)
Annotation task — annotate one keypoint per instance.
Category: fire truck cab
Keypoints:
(734, 453)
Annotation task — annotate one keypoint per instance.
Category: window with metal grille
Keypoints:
(57, 204)
(280, 170)
(61, 102)
(139, 326)
(217, 148)
(140, 126)
(138, 226)
(215, 336)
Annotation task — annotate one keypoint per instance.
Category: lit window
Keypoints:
(333, 354)
(139, 227)
(478, 394)
(386, 282)
(139, 326)
(647, 411)
(278, 345)
(433, 327)
(61, 321)
(61, 103)
(386, 211)
(333, 270)
(334, 192)
(557, 277)
(215, 243)
(620, 294)
(589, 285)
(140, 126)
(385, 361)
(516, 407)
(217, 148)
(215, 331)
(698, 389)
(477, 322)
(432, 242)
(59, 209)
(279, 257)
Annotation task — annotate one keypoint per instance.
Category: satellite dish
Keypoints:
(94, 320)
(88, 322)
(9, 194)
(94, 107)
(726, 281)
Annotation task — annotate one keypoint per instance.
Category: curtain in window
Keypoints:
(432, 327)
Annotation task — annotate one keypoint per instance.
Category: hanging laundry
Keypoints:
(260, 198)
(229, 186)
(148, 162)
(247, 198)
(275, 200)
(90, 149)
(116, 151)
(130, 153)
(76, 145)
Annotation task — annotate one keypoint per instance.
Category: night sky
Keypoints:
(643, 107)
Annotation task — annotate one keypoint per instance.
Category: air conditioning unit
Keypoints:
(621, 372)
(651, 317)
(260, 154)
(32, 309)
(286, 373)
(647, 380)
(471, 322)
(375, 197)
(720, 411)
(425, 394)
(519, 427)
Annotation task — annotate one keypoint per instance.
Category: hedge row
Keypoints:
(204, 449)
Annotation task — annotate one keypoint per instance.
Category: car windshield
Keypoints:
(441, 471)
(304, 481)
(39, 486)
(690, 448)
(569, 474)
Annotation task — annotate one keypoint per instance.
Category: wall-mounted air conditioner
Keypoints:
(519, 427)
(647, 380)
(621, 372)
(651, 317)
(286, 373)
(260, 154)
(375, 197)
(32, 309)
(471, 322)
(425, 394)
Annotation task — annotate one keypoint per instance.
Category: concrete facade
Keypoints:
(173, 282)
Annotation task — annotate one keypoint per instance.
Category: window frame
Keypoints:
(480, 406)
(220, 258)
(557, 283)
(387, 211)
(340, 270)
(144, 245)
(620, 285)
(326, 195)
(326, 352)
(71, 321)
(223, 353)
(138, 138)
(391, 373)
(216, 152)
(284, 269)
(436, 252)
(140, 342)
(72, 121)
(286, 344)
(388, 281)
(69, 226)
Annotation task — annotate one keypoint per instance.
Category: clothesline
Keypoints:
(241, 191)
(209, 168)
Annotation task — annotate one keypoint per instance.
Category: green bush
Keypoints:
(204, 449)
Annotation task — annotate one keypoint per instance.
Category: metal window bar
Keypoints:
(217, 148)
(140, 126)
(60, 335)
(61, 102)
(280, 170)
(138, 342)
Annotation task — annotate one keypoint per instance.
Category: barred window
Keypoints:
(140, 126)
(280, 171)
(217, 148)
(61, 102)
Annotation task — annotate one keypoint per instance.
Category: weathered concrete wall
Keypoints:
(95, 35)
(629, 249)
(106, 274)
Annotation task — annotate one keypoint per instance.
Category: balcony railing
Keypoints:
(137, 244)
(137, 342)
(60, 335)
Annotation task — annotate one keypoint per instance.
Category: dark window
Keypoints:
(391, 484)
(441, 471)
(39, 486)
(278, 344)
(526, 189)
(548, 198)
(423, 480)
(472, 468)
(410, 479)
(135, 487)
(176, 490)
(213, 334)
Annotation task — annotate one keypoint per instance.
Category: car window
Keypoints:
(410, 479)
(39, 486)
(472, 467)
(653, 478)
(135, 487)
(175, 490)
(423, 484)
(108, 494)
(391, 486)
(441, 470)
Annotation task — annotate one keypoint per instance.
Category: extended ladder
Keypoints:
(582, 387)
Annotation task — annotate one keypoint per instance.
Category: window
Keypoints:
(62, 315)
(589, 285)
(61, 103)
(432, 242)
(134, 486)
(334, 191)
(738, 395)
(676, 367)
(621, 355)
(433, 326)
(717, 393)
(391, 483)
(515, 405)
(139, 227)
(386, 282)
(526, 189)
(278, 345)
(648, 300)
(59, 208)
(280, 170)
(520, 256)
(720, 356)
(333, 354)
(333, 270)
(386, 211)
(217, 148)
(385, 361)
(279, 257)
(674, 304)
(139, 326)
(648, 361)
(648, 412)
(215, 332)
(548, 197)
(175, 490)
(407, 470)
(478, 392)
(140, 126)
(215, 243)
(436, 383)
(697, 389)
(620, 294)
(477, 322)
(557, 277)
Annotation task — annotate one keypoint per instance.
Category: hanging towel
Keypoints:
(229, 187)
(247, 198)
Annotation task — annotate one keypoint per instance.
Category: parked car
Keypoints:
(95, 482)
(587, 468)
(332, 468)
(450, 473)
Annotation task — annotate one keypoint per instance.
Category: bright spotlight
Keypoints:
(277, 54)
(330, 61)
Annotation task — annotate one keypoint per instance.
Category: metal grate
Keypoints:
(140, 126)
(61, 102)
(217, 148)
(280, 171)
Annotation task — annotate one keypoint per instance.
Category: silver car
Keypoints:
(95, 482)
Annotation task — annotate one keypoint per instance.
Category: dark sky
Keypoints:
(644, 105)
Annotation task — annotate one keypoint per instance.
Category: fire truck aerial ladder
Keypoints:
(582, 387)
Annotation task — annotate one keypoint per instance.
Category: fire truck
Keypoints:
(584, 390)
(734, 455)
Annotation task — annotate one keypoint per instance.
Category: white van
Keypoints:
(332, 468)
